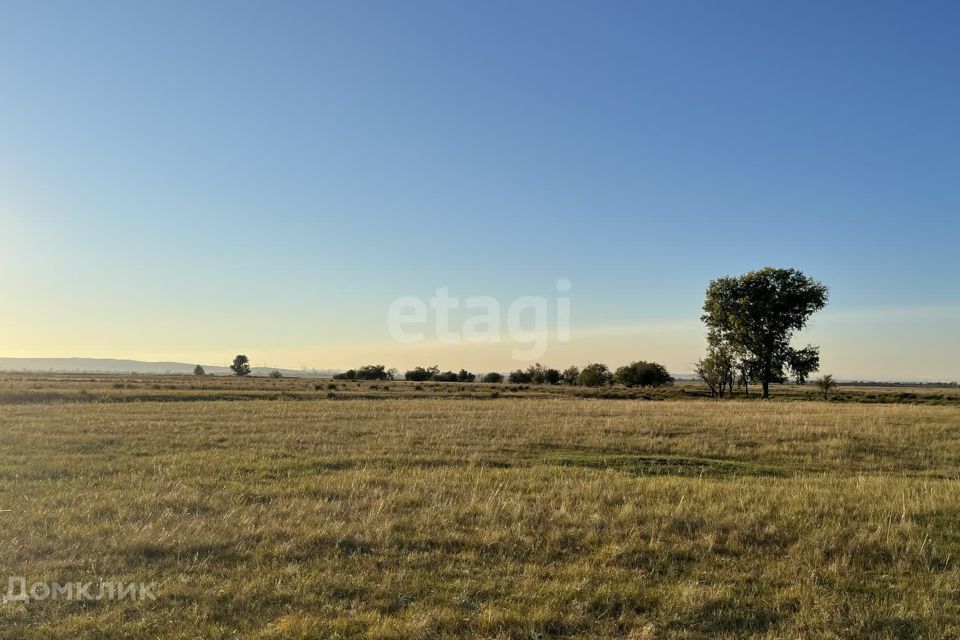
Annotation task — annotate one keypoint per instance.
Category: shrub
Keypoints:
(595, 375)
(520, 377)
(421, 374)
(366, 372)
(493, 377)
(643, 374)
(826, 384)
(373, 372)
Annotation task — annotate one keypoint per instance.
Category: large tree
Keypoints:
(757, 314)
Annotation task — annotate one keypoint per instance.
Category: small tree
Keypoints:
(595, 375)
(718, 369)
(826, 384)
(552, 376)
(466, 376)
(493, 377)
(198, 371)
(803, 362)
(570, 375)
(446, 376)
(745, 370)
(275, 374)
(241, 366)
(537, 373)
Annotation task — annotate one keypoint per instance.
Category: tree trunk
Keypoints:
(767, 373)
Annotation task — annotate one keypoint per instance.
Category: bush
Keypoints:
(643, 374)
(520, 377)
(493, 377)
(595, 375)
(446, 376)
(275, 374)
(373, 372)
(466, 376)
(366, 372)
(826, 384)
(552, 376)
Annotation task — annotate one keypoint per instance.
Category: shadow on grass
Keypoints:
(662, 465)
(723, 617)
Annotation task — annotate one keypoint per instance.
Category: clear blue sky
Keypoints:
(162, 163)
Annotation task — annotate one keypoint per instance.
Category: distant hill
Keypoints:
(110, 365)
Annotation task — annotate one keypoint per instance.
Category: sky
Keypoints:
(186, 181)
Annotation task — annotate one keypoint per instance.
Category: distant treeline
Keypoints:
(928, 385)
(635, 374)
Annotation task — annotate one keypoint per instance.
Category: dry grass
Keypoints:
(519, 518)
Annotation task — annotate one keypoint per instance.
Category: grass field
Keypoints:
(431, 511)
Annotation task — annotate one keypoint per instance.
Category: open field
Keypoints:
(429, 515)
